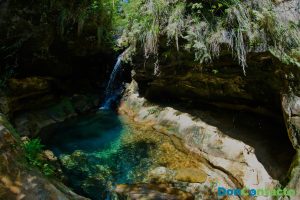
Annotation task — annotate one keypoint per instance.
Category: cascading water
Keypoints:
(112, 92)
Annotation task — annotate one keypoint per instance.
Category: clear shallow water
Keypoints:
(93, 155)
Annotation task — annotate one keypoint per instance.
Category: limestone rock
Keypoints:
(234, 158)
(291, 112)
(151, 192)
(192, 175)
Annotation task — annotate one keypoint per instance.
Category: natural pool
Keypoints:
(95, 156)
(102, 150)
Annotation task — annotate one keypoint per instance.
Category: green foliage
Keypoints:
(203, 27)
(100, 13)
(33, 149)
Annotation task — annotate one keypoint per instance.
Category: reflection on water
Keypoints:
(93, 155)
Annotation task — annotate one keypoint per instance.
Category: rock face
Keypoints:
(35, 93)
(233, 158)
(30, 123)
(27, 93)
(17, 180)
(291, 112)
(36, 102)
(220, 83)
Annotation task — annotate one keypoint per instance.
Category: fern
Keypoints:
(33, 149)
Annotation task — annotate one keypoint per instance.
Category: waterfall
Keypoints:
(112, 93)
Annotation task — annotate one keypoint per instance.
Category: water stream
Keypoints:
(112, 90)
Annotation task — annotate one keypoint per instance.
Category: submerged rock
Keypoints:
(191, 175)
(151, 192)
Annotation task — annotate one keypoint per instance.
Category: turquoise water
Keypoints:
(93, 154)
(88, 133)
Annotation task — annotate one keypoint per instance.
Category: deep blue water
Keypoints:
(93, 154)
(88, 133)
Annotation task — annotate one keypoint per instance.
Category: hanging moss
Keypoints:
(205, 27)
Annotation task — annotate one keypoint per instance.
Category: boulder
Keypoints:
(291, 113)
